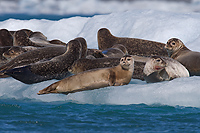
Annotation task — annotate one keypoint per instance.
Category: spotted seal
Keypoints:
(55, 68)
(178, 51)
(85, 64)
(94, 79)
(6, 38)
(33, 56)
(15, 51)
(134, 46)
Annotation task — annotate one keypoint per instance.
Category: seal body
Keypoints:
(38, 37)
(25, 38)
(116, 51)
(85, 64)
(134, 46)
(178, 51)
(83, 43)
(6, 38)
(3, 60)
(33, 56)
(163, 69)
(55, 68)
(94, 79)
(20, 38)
(15, 51)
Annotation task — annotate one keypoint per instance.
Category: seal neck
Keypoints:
(178, 52)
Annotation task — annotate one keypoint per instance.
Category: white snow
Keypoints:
(145, 24)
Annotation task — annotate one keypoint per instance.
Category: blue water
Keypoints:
(29, 115)
(72, 117)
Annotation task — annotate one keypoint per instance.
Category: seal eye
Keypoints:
(128, 59)
(173, 43)
(158, 60)
(122, 59)
(11, 51)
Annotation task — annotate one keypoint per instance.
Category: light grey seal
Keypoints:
(38, 37)
(134, 46)
(159, 69)
(190, 59)
(94, 79)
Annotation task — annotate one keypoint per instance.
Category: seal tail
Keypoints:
(49, 89)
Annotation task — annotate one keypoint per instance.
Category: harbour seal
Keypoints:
(94, 79)
(55, 68)
(6, 38)
(27, 31)
(85, 64)
(3, 60)
(56, 41)
(134, 46)
(159, 69)
(83, 43)
(116, 51)
(38, 37)
(178, 51)
(33, 56)
(15, 51)
(20, 38)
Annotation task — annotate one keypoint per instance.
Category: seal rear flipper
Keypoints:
(24, 74)
(157, 77)
(153, 78)
(165, 76)
(49, 89)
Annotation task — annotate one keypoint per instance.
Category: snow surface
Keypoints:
(144, 24)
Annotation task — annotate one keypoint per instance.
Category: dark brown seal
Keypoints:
(82, 65)
(55, 68)
(178, 51)
(20, 38)
(3, 60)
(83, 45)
(6, 38)
(15, 51)
(134, 46)
(33, 56)
(94, 79)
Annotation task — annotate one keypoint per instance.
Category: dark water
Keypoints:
(25, 115)
(23, 16)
